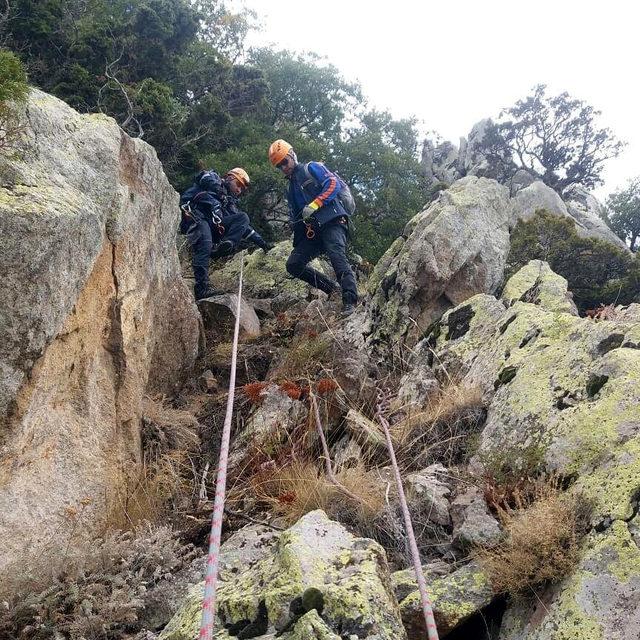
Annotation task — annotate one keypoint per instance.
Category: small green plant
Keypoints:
(13, 91)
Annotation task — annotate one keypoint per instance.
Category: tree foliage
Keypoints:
(13, 91)
(555, 138)
(623, 215)
(175, 73)
(597, 271)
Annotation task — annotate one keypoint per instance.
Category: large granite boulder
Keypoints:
(454, 249)
(588, 213)
(317, 580)
(576, 204)
(93, 316)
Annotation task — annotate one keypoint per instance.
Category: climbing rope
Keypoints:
(213, 559)
(427, 609)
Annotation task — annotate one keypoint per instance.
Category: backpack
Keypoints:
(205, 181)
(345, 197)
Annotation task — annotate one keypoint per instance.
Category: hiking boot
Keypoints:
(210, 292)
(347, 309)
(224, 248)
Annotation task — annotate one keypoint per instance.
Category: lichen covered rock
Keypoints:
(538, 284)
(455, 248)
(600, 599)
(316, 565)
(455, 597)
(265, 276)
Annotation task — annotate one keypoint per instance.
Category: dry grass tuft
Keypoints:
(541, 542)
(304, 357)
(165, 429)
(444, 431)
(299, 487)
(161, 484)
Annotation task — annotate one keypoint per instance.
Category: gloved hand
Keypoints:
(307, 213)
(267, 247)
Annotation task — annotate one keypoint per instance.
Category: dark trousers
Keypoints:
(331, 239)
(202, 235)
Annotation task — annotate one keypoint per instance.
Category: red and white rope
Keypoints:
(213, 560)
(427, 608)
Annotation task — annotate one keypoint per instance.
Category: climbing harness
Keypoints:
(310, 233)
(427, 609)
(213, 559)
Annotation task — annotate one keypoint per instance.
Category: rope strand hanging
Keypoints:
(213, 559)
(427, 608)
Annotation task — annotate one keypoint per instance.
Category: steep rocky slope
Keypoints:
(493, 389)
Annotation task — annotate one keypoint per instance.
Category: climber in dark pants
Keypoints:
(320, 223)
(212, 217)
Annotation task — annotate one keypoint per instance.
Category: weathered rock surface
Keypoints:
(538, 196)
(317, 581)
(94, 315)
(455, 597)
(599, 600)
(537, 284)
(576, 204)
(429, 493)
(455, 248)
(563, 395)
(473, 525)
(265, 276)
(219, 316)
(587, 211)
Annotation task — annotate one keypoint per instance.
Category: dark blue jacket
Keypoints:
(314, 182)
(213, 196)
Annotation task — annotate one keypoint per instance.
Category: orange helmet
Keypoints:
(278, 151)
(240, 175)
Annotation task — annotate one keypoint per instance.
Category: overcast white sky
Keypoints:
(451, 64)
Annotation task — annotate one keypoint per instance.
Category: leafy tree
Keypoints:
(306, 94)
(556, 138)
(624, 213)
(378, 159)
(597, 271)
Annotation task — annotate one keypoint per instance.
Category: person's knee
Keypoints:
(294, 266)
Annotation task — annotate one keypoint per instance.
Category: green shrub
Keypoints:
(13, 78)
(13, 89)
(598, 272)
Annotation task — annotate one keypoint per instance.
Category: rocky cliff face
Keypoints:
(94, 315)
(445, 163)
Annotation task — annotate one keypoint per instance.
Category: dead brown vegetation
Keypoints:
(162, 484)
(99, 594)
(541, 543)
(445, 430)
(302, 486)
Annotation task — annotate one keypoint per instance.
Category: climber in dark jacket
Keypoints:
(319, 221)
(212, 218)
